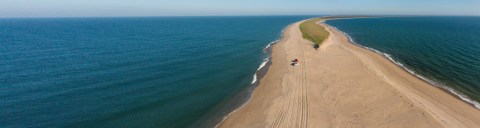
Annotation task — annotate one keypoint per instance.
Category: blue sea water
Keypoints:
(442, 50)
(128, 72)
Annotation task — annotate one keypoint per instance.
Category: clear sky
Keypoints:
(95, 8)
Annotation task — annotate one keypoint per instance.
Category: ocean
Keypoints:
(444, 51)
(130, 72)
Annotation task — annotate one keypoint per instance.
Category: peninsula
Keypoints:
(343, 85)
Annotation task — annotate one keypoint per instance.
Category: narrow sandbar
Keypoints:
(344, 85)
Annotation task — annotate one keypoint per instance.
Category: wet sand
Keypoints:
(343, 85)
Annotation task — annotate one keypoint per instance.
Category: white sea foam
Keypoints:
(432, 82)
(265, 60)
(263, 63)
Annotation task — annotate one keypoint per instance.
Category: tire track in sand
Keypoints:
(294, 109)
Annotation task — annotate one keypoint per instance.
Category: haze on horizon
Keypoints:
(118, 8)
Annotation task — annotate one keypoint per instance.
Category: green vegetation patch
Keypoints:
(313, 31)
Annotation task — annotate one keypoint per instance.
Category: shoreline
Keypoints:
(316, 96)
(387, 56)
(258, 75)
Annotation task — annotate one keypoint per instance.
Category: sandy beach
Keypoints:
(344, 85)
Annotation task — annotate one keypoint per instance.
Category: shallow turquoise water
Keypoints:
(127, 72)
(442, 50)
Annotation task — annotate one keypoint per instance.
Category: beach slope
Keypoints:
(344, 85)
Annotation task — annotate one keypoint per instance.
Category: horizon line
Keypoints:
(147, 16)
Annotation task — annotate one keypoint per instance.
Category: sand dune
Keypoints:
(343, 85)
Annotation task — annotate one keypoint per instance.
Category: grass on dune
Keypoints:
(313, 31)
